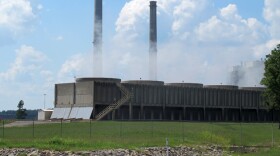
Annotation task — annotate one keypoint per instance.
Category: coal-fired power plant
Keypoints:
(153, 41)
(97, 41)
(100, 98)
(112, 99)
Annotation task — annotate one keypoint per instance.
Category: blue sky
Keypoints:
(47, 42)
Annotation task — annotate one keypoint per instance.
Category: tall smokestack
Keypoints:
(97, 41)
(153, 41)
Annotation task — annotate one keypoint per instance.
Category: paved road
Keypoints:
(26, 123)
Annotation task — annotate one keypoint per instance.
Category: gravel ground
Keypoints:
(152, 151)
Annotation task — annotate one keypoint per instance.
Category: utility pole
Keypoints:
(45, 101)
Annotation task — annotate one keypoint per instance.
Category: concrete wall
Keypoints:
(64, 95)
(173, 96)
(191, 103)
(84, 94)
(106, 93)
(44, 115)
(166, 102)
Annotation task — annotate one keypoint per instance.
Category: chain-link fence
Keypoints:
(145, 133)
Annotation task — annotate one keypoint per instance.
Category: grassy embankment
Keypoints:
(107, 135)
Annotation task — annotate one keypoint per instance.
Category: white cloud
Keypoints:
(79, 65)
(127, 62)
(133, 18)
(129, 14)
(15, 13)
(59, 38)
(261, 50)
(40, 7)
(74, 64)
(27, 60)
(16, 17)
(271, 13)
(230, 12)
(228, 39)
(230, 28)
(27, 78)
(183, 15)
(130, 17)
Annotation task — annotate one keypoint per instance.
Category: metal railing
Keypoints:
(117, 104)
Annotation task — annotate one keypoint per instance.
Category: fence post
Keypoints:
(272, 134)
(240, 138)
(183, 130)
(33, 129)
(167, 146)
(90, 128)
(3, 128)
(121, 129)
(211, 124)
(61, 128)
(152, 129)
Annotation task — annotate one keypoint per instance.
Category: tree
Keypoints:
(21, 112)
(271, 79)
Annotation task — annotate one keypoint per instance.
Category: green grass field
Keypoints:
(131, 135)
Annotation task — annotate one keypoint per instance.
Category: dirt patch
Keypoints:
(28, 123)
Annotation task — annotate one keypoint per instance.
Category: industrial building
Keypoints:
(112, 99)
(44, 114)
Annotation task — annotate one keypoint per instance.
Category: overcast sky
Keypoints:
(43, 42)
